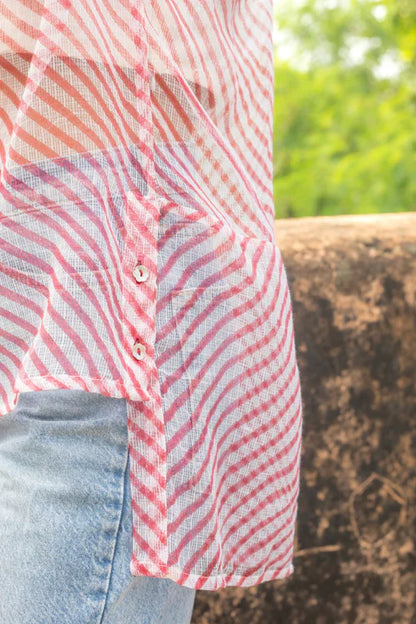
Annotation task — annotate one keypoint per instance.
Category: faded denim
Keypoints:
(66, 518)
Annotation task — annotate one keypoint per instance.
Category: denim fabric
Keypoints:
(66, 517)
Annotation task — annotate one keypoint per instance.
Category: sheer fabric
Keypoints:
(138, 260)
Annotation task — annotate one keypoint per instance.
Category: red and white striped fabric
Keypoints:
(138, 260)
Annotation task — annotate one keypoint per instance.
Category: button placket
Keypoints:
(139, 262)
(141, 274)
(139, 265)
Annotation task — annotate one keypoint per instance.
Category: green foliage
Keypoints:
(345, 136)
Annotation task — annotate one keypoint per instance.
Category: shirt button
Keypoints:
(141, 273)
(139, 350)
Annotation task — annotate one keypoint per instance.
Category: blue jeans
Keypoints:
(66, 521)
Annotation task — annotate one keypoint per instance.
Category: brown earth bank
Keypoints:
(353, 287)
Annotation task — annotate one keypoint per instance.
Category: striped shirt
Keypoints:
(138, 260)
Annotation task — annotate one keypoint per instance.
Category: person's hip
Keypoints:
(65, 517)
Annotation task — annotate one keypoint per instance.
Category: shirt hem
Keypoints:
(212, 583)
(108, 387)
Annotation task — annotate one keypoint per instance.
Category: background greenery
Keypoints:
(345, 107)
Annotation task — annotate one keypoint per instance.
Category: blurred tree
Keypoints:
(345, 107)
(402, 23)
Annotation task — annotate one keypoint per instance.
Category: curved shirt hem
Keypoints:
(108, 387)
(211, 583)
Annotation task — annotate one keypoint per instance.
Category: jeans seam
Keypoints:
(117, 536)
